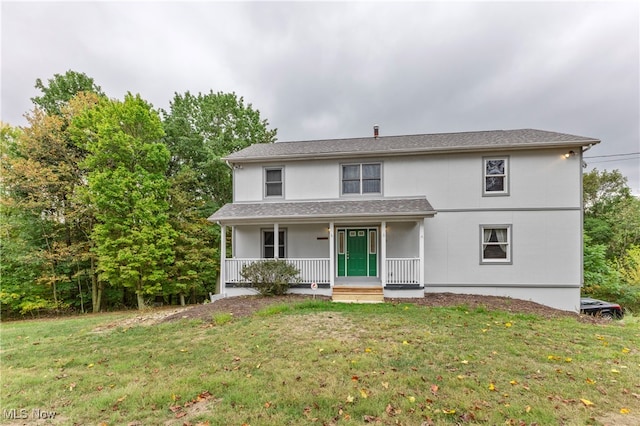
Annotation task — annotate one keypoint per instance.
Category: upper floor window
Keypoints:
(361, 178)
(496, 244)
(496, 176)
(273, 182)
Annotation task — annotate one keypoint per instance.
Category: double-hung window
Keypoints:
(496, 176)
(496, 244)
(362, 178)
(268, 243)
(273, 182)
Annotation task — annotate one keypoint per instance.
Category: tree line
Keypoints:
(104, 202)
(611, 239)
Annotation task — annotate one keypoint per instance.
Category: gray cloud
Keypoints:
(325, 70)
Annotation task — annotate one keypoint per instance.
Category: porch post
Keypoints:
(383, 253)
(276, 241)
(223, 258)
(332, 256)
(421, 251)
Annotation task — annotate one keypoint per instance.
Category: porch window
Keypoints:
(361, 178)
(496, 244)
(273, 182)
(496, 176)
(268, 243)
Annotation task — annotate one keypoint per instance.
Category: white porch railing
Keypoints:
(399, 270)
(403, 271)
(311, 270)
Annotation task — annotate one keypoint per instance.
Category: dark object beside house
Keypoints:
(600, 308)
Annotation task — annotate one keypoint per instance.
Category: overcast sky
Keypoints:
(333, 70)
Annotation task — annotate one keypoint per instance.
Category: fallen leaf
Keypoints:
(267, 404)
(624, 411)
(445, 411)
(586, 402)
(464, 361)
(434, 389)
(412, 399)
(514, 382)
(385, 385)
(590, 381)
(363, 393)
(614, 371)
(492, 387)
(528, 409)
(507, 324)
(625, 350)
(349, 399)
(90, 366)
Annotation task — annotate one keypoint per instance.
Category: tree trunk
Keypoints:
(140, 297)
(182, 300)
(96, 288)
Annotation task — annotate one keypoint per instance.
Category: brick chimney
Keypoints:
(375, 131)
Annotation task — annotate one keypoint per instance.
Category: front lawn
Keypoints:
(316, 362)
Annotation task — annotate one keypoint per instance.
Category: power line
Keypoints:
(613, 155)
(613, 161)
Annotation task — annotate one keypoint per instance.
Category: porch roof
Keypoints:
(308, 211)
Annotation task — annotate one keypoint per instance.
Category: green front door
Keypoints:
(357, 252)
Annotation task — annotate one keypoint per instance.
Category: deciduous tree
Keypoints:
(127, 165)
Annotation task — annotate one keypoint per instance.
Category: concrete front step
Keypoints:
(357, 294)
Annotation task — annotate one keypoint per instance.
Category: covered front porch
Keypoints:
(354, 250)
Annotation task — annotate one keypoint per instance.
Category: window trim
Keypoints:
(509, 243)
(361, 179)
(265, 183)
(506, 189)
(282, 241)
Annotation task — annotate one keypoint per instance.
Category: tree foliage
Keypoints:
(127, 164)
(61, 89)
(201, 130)
(612, 236)
(99, 203)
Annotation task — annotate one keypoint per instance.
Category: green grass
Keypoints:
(324, 363)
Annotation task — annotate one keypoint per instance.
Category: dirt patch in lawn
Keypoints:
(241, 306)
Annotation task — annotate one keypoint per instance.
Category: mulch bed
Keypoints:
(241, 306)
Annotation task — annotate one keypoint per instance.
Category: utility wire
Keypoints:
(613, 161)
(613, 155)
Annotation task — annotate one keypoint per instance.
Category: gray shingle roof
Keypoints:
(323, 210)
(398, 145)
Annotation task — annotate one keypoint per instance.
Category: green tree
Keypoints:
(127, 165)
(41, 174)
(200, 131)
(61, 89)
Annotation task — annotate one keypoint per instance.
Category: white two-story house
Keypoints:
(488, 213)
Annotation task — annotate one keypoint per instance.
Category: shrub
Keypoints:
(270, 277)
